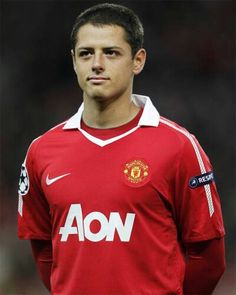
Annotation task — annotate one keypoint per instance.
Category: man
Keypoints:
(118, 200)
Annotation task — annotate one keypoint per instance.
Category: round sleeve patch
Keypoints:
(24, 181)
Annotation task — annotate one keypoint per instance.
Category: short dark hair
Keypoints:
(112, 14)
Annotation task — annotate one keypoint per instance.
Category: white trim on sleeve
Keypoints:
(200, 162)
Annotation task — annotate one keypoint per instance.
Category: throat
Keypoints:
(110, 116)
(106, 133)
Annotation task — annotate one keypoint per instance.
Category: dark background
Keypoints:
(190, 76)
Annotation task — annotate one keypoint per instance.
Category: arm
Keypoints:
(204, 267)
(42, 251)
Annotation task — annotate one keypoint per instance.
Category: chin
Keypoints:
(103, 96)
(99, 97)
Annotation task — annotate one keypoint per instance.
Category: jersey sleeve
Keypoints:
(33, 209)
(197, 203)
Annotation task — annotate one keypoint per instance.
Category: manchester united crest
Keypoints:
(136, 171)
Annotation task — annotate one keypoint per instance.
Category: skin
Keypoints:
(105, 70)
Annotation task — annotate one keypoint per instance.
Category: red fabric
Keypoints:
(42, 251)
(114, 212)
(204, 258)
(205, 265)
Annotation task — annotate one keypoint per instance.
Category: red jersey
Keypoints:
(118, 210)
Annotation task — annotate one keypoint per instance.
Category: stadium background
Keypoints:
(189, 74)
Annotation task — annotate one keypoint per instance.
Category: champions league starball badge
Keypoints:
(24, 181)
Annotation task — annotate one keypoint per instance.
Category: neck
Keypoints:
(109, 114)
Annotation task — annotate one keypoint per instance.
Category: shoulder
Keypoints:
(47, 137)
(175, 132)
(173, 128)
(182, 140)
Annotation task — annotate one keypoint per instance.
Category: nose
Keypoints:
(98, 63)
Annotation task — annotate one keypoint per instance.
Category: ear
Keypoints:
(73, 59)
(139, 61)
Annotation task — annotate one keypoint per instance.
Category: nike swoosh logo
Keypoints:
(50, 181)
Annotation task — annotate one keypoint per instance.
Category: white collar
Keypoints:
(150, 117)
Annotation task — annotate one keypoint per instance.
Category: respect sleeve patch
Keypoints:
(201, 180)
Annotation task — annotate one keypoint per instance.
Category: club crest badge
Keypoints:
(24, 181)
(136, 172)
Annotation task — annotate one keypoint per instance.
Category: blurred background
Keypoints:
(190, 76)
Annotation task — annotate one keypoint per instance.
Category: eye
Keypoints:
(85, 53)
(112, 52)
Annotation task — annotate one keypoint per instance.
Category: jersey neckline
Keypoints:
(111, 132)
(149, 117)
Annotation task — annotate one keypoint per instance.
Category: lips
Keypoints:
(97, 78)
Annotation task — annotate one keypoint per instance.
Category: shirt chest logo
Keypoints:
(50, 181)
(78, 224)
(136, 172)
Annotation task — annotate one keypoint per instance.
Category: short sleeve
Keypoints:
(197, 203)
(33, 209)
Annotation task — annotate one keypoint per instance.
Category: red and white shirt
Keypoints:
(118, 210)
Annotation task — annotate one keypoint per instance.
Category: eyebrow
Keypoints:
(104, 48)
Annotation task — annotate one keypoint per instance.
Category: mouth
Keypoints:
(97, 79)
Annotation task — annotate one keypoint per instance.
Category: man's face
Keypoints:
(103, 62)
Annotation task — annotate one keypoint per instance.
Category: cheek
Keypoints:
(80, 77)
(124, 76)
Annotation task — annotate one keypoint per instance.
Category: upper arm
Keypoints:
(197, 203)
(33, 210)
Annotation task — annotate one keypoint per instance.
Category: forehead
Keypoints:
(103, 35)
